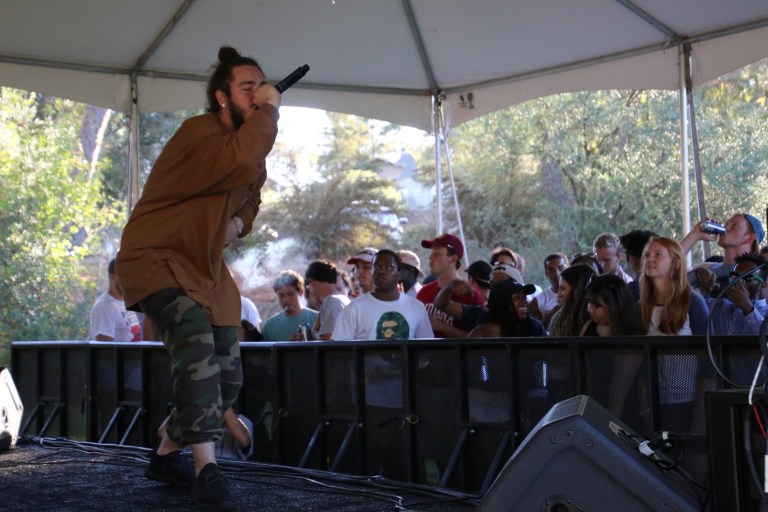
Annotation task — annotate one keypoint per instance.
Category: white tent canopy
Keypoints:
(384, 59)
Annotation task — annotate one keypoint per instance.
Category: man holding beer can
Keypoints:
(740, 234)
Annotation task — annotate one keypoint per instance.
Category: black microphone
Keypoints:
(292, 78)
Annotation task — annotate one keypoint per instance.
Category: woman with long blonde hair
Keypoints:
(670, 307)
(668, 304)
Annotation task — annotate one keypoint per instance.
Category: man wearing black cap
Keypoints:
(444, 262)
(479, 277)
(320, 279)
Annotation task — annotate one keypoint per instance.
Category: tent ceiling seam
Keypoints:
(420, 46)
(655, 23)
(164, 33)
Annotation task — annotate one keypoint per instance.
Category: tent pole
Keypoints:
(685, 182)
(133, 147)
(436, 106)
(702, 208)
(455, 197)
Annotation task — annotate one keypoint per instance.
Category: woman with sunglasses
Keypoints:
(611, 308)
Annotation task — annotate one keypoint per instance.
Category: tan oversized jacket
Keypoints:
(175, 235)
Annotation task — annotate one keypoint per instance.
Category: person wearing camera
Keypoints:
(740, 234)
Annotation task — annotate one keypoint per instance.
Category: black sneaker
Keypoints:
(172, 468)
(211, 489)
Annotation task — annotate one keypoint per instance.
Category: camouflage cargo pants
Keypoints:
(205, 365)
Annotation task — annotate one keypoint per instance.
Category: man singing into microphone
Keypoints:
(202, 193)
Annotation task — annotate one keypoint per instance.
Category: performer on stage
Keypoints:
(203, 192)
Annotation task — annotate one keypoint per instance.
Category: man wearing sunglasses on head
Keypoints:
(742, 309)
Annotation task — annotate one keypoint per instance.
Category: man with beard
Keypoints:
(322, 277)
(743, 308)
(202, 194)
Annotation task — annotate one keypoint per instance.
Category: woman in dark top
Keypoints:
(508, 312)
(611, 308)
(571, 298)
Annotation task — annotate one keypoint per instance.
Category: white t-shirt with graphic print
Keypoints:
(368, 318)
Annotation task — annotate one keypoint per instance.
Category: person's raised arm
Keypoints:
(694, 236)
(443, 300)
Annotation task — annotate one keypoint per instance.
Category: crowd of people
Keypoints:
(588, 294)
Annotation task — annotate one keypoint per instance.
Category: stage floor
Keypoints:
(62, 475)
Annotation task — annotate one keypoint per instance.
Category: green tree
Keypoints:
(50, 220)
(552, 173)
(732, 121)
(349, 206)
(155, 128)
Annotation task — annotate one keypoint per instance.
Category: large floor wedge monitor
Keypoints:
(579, 457)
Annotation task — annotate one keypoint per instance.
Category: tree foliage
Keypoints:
(51, 218)
(551, 174)
(347, 207)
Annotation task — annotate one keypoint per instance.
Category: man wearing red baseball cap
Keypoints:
(444, 263)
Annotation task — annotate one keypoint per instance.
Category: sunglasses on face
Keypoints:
(746, 278)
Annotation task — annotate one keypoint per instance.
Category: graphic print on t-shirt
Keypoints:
(392, 326)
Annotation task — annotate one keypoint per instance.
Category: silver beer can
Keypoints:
(713, 228)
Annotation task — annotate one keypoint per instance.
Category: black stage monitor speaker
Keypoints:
(581, 458)
(11, 410)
